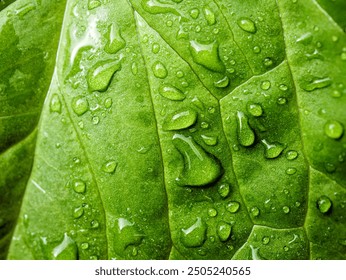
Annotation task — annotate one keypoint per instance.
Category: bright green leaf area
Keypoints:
(169, 130)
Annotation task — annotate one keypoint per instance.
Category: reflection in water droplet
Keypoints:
(272, 150)
(291, 171)
(247, 25)
(265, 85)
(78, 212)
(108, 102)
(286, 209)
(333, 129)
(281, 100)
(246, 135)
(212, 212)
(324, 204)
(194, 13)
(195, 235)
(100, 75)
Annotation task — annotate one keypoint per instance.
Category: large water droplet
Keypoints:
(272, 150)
(195, 235)
(209, 16)
(66, 250)
(159, 70)
(200, 167)
(246, 135)
(223, 230)
(114, 41)
(224, 82)
(333, 129)
(316, 83)
(247, 25)
(55, 103)
(171, 93)
(324, 204)
(207, 55)
(180, 120)
(80, 105)
(100, 76)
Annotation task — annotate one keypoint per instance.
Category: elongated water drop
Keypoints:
(316, 83)
(272, 150)
(114, 41)
(200, 167)
(180, 120)
(209, 140)
(223, 230)
(247, 25)
(207, 55)
(92, 4)
(100, 76)
(171, 93)
(55, 103)
(246, 135)
(195, 235)
(66, 250)
(209, 16)
(333, 129)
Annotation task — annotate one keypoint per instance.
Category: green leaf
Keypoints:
(169, 130)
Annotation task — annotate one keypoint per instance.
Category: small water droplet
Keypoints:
(209, 16)
(343, 56)
(291, 155)
(255, 211)
(265, 85)
(180, 120)
(78, 212)
(281, 100)
(210, 140)
(333, 129)
(95, 120)
(246, 135)
(268, 62)
(316, 83)
(254, 109)
(285, 248)
(247, 25)
(194, 13)
(172, 93)
(159, 70)
(79, 186)
(256, 49)
(286, 209)
(224, 82)
(224, 190)
(80, 105)
(330, 167)
(101, 74)
(272, 150)
(94, 224)
(84, 246)
(195, 235)
(283, 87)
(291, 171)
(212, 212)
(207, 55)
(155, 48)
(223, 230)
(55, 104)
(233, 206)
(109, 166)
(108, 102)
(114, 40)
(265, 240)
(204, 125)
(324, 204)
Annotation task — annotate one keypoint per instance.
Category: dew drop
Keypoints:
(204, 125)
(286, 209)
(291, 155)
(212, 212)
(207, 55)
(159, 70)
(330, 167)
(92, 4)
(78, 212)
(66, 250)
(209, 16)
(194, 13)
(265, 85)
(291, 171)
(55, 104)
(134, 68)
(108, 102)
(94, 224)
(247, 25)
(268, 62)
(180, 120)
(233, 206)
(333, 129)
(84, 246)
(80, 105)
(281, 100)
(100, 75)
(256, 49)
(209, 140)
(254, 109)
(324, 204)
(79, 186)
(155, 48)
(246, 135)
(109, 166)
(224, 190)
(172, 93)
(114, 41)
(265, 240)
(95, 120)
(272, 150)
(223, 230)
(316, 83)
(224, 82)
(195, 235)
(255, 211)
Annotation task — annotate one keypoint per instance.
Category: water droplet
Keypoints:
(255, 211)
(92, 4)
(207, 55)
(66, 250)
(94, 224)
(108, 102)
(84, 246)
(114, 41)
(333, 129)
(246, 135)
(330, 167)
(247, 25)
(343, 56)
(224, 190)
(265, 240)
(286, 209)
(335, 93)
(155, 48)
(324, 204)
(95, 120)
(224, 82)
(210, 140)
(169, 23)
(233, 206)
(316, 83)
(281, 100)
(195, 235)
(265, 85)
(291, 171)
(204, 125)
(209, 16)
(79, 186)
(194, 13)
(179, 74)
(159, 70)
(291, 155)
(100, 75)
(268, 62)
(254, 109)
(80, 105)
(272, 150)
(285, 248)
(55, 104)
(305, 39)
(200, 167)
(283, 87)
(78, 212)
(212, 212)
(223, 230)
(134, 68)
(256, 49)
(171, 93)
(109, 166)
(180, 120)
(156, 7)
